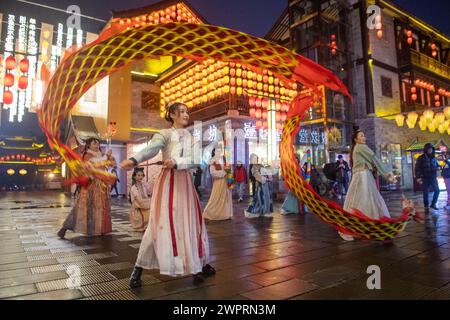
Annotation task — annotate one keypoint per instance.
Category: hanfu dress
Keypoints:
(140, 206)
(262, 203)
(175, 241)
(291, 204)
(220, 204)
(363, 194)
(91, 214)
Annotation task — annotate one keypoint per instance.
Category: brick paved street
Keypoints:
(289, 257)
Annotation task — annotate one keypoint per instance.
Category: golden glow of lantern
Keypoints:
(440, 117)
(423, 124)
(412, 119)
(429, 114)
(447, 113)
(432, 127)
(10, 172)
(400, 120)
(446, 124)
(441, 128)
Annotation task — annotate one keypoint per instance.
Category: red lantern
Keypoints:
(409, 40)
(409, 33)
(380, 34)
(264, 103)
(333, 51)
(24, 65)
(279, 126)
(433, 46)
(251, 101)
(265, 124)
(28, 159)
(264, 115)
(2, 158)
(436, 97)
(258, 113)
(414, 97)
(278, 117)
(8, 80)
(437, 104)
(23, 82)
(13, 157)
(283, 117)
(7, 97)
(7, 158)
(258, 124)
(10, 63)
(23, 157)
(252, 112)
(413, 89)
(434, 53)
(278, 106)
(333, 37)
(258, 102)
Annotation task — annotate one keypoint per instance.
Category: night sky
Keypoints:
(251, 16)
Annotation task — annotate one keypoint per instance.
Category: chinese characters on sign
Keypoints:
(306, 136)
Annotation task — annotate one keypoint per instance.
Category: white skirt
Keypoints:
(364, 196)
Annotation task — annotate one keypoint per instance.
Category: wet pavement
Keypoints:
(287, 257)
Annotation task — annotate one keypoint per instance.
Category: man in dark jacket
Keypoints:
(426, 174)
(342, 170)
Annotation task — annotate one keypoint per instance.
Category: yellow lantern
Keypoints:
(250, 83)
(10, 172)
(432, 126)
(259, 86)
(448, 131)
(239, 72)
(270, 80)
(447, 112)
(400, 120)
(446, 124)
(239, 90)
(249, 74)
(423, 124)
(239, 81)
(259, 78)
(440, 117)
(441, 128)
(226, 89)
(429, 114)
(412, 119)
(271, 88)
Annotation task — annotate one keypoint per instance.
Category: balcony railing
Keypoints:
(428, 63)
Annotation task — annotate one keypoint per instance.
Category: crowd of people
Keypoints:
(168, 211)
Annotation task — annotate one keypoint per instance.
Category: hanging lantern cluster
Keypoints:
(409, 37)
(425, 85)
(211, 80)
(175, 13)
(9, 79)
(379, 26)
(430, 120)
(433, 50)
(259, 108)
(413, 93)
(333, 44)
(429, 87)
(25, 158)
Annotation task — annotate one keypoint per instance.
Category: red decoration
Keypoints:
(28, 159)
(258, 113)
(264, 115)
(279, 126)
(7, 97)
(414, 97)
(251, 101)
(258, 103)
(437, 104)
(258, 124)
(24, 65)
(413, 89)
(10, 63)
(437, 97)
(380, 34)
(252, 112)
(8, 80)
(7, 158)
(23, 82)
(265, 124)
(2, 158)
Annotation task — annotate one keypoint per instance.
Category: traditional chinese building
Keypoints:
(395, 65)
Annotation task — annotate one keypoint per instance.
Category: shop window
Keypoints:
(391, 155)
(91, 95)
(150, 100)
(386, 87)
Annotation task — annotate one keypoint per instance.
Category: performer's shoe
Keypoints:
(208, 270)
(135, 279)
(198, 278)
(250, 215)
(434, 207)
(346, 237)
(268, 215)
(62, 232)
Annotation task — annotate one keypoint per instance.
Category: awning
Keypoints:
(418, 146)
(83, 128)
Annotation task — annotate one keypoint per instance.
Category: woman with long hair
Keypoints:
(91, 213)
(140, 201)
(175, 241)
(220, 204)
(363, 194)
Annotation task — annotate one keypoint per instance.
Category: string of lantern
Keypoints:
(432, 120)
(9, 78)
(23, 158)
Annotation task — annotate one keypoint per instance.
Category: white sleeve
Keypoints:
(156, 144)
(216, 173)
